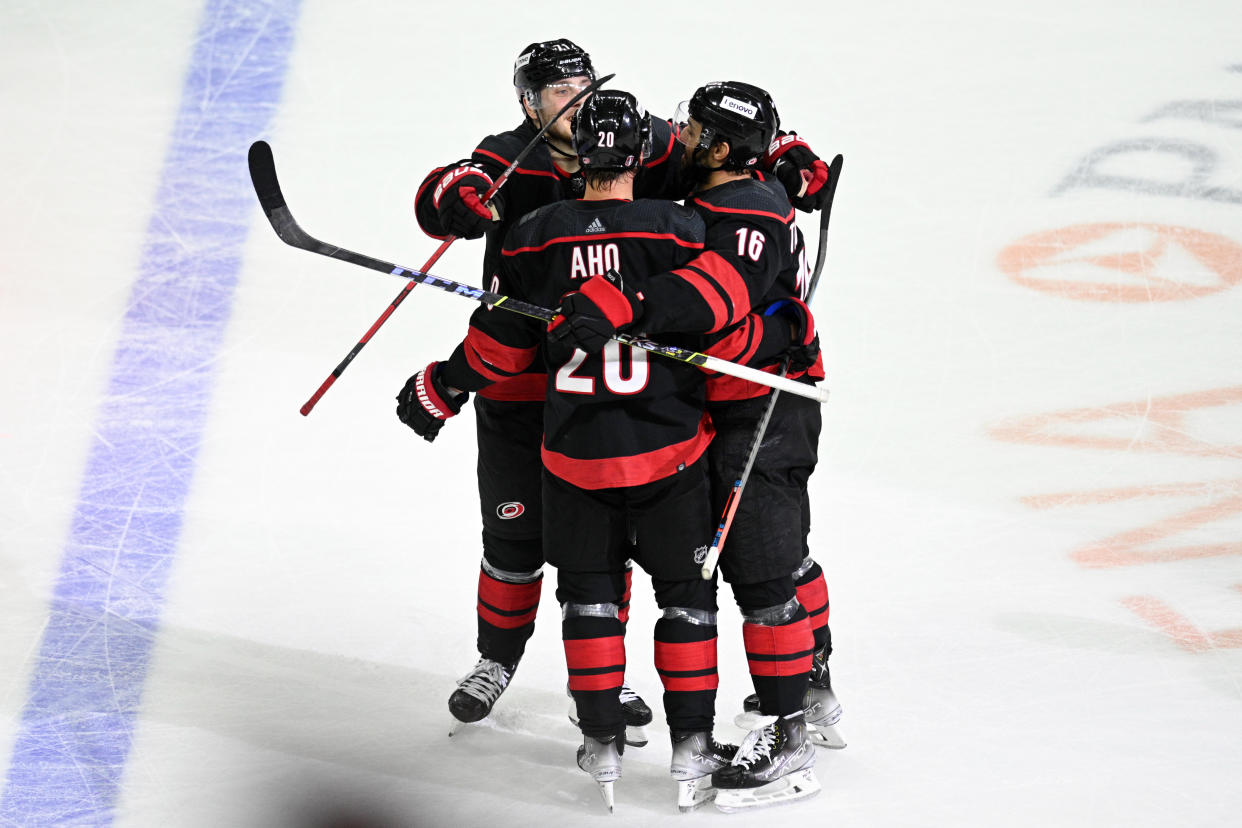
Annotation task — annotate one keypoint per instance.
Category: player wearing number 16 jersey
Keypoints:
(753, 258)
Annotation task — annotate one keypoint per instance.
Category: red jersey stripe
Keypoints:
(729, 280)
(507, 358)
(614, 472)
(601, 236)
(785, 219)
(652, 162)
(710, 295)
(741, 344)
(521, 388)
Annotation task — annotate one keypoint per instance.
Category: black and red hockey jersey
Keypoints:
(623, 417)
(537, 182)
(754, 254)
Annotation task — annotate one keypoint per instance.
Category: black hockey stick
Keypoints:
(735, 494)
(435, 257)
(267, 187)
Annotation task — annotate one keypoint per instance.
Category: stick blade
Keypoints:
(263, 177)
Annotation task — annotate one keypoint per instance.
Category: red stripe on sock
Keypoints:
(685, 657)
(594, 653)
(506, 622)
(785, 640)
(505, 596)
(690, 684)
(597, 681)
(814, 597)
(780, 668)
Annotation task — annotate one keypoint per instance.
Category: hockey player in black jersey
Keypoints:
(754, 258)
(508, 414)
(624, 444)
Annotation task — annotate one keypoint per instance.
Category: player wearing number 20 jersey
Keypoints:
(625, 437)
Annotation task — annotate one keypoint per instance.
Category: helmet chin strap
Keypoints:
(539, 124)
(558, 150)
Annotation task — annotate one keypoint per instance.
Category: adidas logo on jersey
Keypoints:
(596, 226)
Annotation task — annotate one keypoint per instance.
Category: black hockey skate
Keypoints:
(637, 715)
(774, 764)
(696, 756)
(478, 690)
(602, 759)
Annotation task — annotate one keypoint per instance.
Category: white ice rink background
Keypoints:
(214, 611)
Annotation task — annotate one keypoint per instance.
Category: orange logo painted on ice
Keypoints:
(1124, 262)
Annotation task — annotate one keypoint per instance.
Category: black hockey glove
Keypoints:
(458, 201)
(803, 351)
(800, 171)
(425, 403)
(591, 316)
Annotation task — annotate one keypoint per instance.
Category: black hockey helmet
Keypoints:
(738, 113)
(544, 63)
(612, 131)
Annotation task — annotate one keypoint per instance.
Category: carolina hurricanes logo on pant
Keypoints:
(510, 510)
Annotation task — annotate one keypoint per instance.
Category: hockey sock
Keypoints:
(779, 656)
(594, 641)
(506, 608)
(685, 658)
(813, 595)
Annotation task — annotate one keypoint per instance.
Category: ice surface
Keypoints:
(214, 611)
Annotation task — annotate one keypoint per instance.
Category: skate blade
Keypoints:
(693, 793)
(825, 736)
(635, 736)
(606, 794)
(797, 785)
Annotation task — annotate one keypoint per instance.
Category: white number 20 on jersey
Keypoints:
(567, 382)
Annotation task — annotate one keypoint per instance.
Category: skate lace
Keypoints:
(759, 742)
(628, 695)
(486, 681)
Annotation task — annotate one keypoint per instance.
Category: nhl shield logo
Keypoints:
(700, 554)
(510, 510)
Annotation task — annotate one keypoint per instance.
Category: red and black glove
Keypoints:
(458, 200)
(800, 171)
(591, 316)
(425, 403)
(804, 348)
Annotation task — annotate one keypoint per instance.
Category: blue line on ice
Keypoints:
(77, 726)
